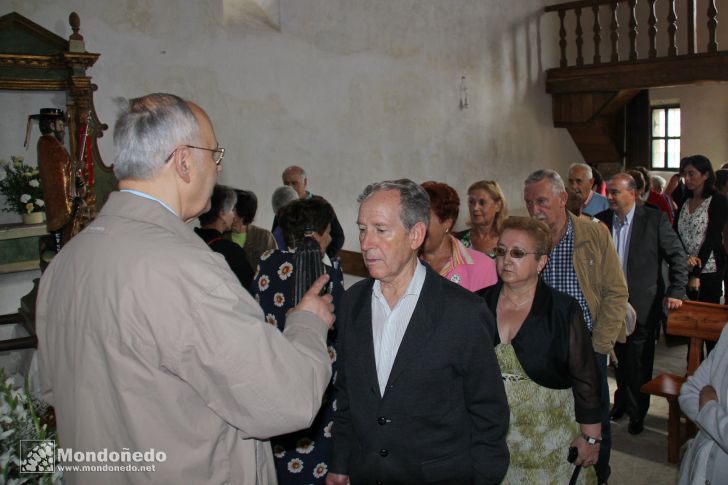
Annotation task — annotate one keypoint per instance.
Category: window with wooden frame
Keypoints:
(665, 137)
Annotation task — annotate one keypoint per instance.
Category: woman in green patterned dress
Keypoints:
(546, 358)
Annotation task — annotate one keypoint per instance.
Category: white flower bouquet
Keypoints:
(20, 184)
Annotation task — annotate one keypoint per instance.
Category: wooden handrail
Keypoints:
(579, 4)
(652, 31)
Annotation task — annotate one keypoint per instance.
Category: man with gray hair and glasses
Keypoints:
(420, 396)
(146, 339)
(584, 264)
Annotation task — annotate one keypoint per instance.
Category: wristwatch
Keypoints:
(590, 439)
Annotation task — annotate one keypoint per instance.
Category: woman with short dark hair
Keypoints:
(301, 457)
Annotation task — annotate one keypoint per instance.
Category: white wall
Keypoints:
(355, 91)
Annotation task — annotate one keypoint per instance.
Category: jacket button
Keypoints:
(382, 420)
(383, 452)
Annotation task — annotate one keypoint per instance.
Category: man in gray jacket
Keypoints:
(150, 350)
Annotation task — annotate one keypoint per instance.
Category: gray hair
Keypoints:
(223, 199)
(147, 131)
(283, 196)
(586, 167)
(658, 181)
(557, 183)
(413, 199)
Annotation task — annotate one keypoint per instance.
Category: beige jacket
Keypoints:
(147, 340)
(601, 281)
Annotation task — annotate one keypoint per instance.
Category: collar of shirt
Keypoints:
(413, 288)
(460, 255)
(147, 196)
(588, 199)
(616, 222)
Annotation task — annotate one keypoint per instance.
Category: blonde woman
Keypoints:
(487, 207)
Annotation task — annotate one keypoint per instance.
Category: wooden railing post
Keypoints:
(652, 30)
(562, 38)
(597, 34)
(632, 30)
(712, 26)
(615, 33)
(692, 39)
(579, 39)
(672, 30)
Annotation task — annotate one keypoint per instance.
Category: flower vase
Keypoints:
(33, 218)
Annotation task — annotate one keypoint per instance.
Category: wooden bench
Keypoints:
(699, 322)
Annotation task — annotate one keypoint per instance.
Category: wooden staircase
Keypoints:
(605, 105)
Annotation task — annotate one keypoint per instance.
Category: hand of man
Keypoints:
(321, 306)
(672, 303)
(707, 394)
(337, 479)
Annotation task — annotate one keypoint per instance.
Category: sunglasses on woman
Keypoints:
(516, 253)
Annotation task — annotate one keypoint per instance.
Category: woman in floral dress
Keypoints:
(301, 457)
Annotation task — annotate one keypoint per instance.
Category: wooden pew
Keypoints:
(353, 264)
(700, 322)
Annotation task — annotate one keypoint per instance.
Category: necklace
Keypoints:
(515, 304)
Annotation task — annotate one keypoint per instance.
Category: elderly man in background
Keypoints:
(146, 338)
(295, 177)
(584, 264)
(581, 181)
(643, 238)
(420, 397)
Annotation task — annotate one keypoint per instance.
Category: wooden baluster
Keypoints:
(615, 32)
(692, 40)
(652, 30)
(672, 30)
(579, 39)
(632, 30)
(562, 38)
(597, 34)
(712, 26)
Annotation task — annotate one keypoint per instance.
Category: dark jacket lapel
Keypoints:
(636, 238)
(363, 336)
(421, 324)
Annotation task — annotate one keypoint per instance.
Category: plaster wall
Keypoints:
(354, 91)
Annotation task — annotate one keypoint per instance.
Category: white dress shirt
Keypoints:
(621, 232)
(389, 325)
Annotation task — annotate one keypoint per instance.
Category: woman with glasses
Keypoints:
(302, 457)
(443, 252)
(487, 207)
(546, 358)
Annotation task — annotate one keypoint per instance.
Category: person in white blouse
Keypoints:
(704, 400)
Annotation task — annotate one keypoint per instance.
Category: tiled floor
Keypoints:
(642, 459)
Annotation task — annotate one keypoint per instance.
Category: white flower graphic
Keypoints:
(39, 202)
(304, 446)
(320, 470)
(24, 198)
(270, 318)
(455, 278)
(285, 270)
(279, 299)
(295, 465)
(263, 283)
(34, 183)
(279, 451)
(332, 354)
(266, 254)
(327, 429)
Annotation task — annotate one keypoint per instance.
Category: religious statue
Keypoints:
(62, 180)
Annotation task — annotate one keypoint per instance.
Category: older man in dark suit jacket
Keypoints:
(420, 397)
(644, 239)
